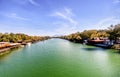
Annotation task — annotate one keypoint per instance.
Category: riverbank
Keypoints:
(10, 47)
(116, 47)
(10, 41)
(7, 46)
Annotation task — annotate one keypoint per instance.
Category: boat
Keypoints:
(28, 44)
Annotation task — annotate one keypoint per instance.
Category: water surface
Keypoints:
(60, 58)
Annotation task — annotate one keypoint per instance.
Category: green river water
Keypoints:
(60, 58)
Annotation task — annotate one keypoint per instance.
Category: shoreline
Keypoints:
(6, 49)
(13, 46)
(114, 46)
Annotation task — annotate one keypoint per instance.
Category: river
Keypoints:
(60, 58)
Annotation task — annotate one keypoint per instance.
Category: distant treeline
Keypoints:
(112, 33)
(19, 37)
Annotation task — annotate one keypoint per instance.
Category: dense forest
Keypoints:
(112, 33)
(19, 37)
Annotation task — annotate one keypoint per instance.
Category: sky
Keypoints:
(57, 17)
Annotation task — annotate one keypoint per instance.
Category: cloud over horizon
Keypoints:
(68, 23)
(33, 2)
(116, 1)
(15, 16)
(54, 17)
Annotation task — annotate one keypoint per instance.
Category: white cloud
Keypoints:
(22, 29)
(66, 28)
(15, 16)
(24, 2)
(116, 1)
(67, 23)
(33, 2)
(41, 32)
(104, 23)
(65, 14)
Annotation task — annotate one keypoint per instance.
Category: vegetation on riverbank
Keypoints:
(112, 33)
(19, 37)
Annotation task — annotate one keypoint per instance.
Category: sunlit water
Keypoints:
(60, 58)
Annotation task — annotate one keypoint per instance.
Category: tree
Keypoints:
(88, 34)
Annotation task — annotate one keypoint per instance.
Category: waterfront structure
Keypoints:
(4, 44)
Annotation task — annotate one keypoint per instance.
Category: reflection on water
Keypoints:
(90, 49)
(5, 57)
(102, 60)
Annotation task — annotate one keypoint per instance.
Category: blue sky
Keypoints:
(57, 17)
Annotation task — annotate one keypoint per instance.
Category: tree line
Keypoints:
(112, 33)
(19, 37)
